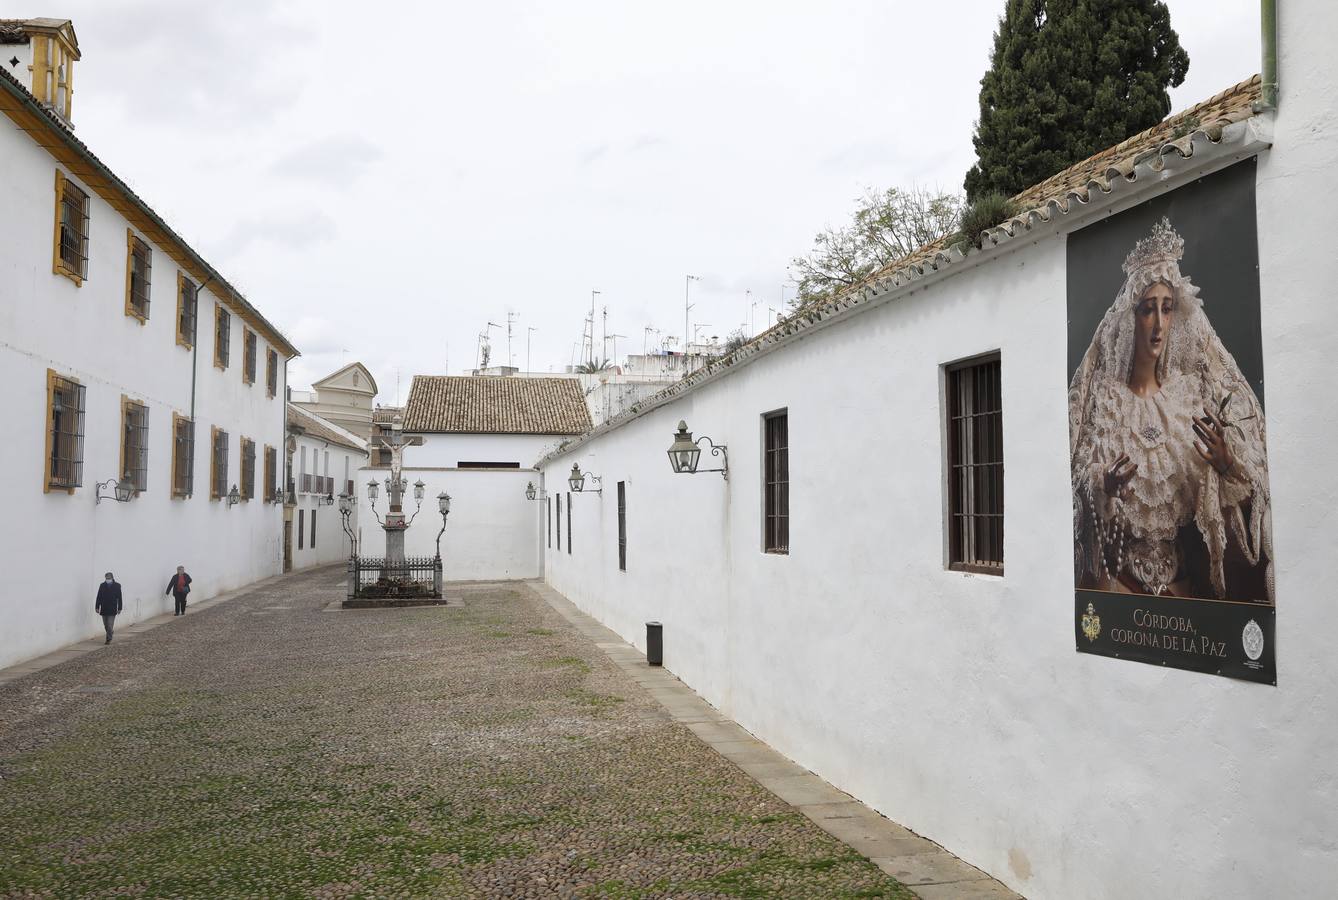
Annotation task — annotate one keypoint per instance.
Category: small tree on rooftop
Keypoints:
(1067, 79)
(887, 226)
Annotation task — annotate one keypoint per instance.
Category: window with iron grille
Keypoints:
(622, 526)
(64, 433)
(71, 252)
(248, 469)
(975, 467)
(135, 444)
(222, 336)
(271, 373)
(139, 274)
(218, 470)
(183, 456)
(188, 302)
(301, 526)
(559, 522)
(248, 356)
(271, 465)
(569, 534)
(776, 483)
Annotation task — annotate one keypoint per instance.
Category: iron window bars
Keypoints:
(72, 241)
(222, 336)
(65, 434)
(135, 445)
(776, 487)
(248, 469)
(188, 301)
(183, 457)
(271, 464)
(218, 486)
(975, 467)
(249, 357)
(140, 278)
(622, 526)
(272, 374)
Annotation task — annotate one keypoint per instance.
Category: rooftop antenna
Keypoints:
(593, 295)
(397, 385)
(528, 332)
(510, 317)
(687, 308)
(485, 345)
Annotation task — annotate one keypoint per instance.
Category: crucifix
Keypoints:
(394, 524)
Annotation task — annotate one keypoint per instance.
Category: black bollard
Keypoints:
(654, 644)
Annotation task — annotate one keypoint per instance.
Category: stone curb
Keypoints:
(129, 632)
(923, 866)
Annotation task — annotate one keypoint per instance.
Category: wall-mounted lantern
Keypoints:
(327, 500)
(577, 480)
(122, 491)
(234, 496)
(530, 492)
(684, 453)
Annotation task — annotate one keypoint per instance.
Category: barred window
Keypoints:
(222, 336)
(271, 467)
(776, 484)
(301, 526)
(64, 433)
(248, 356)
(248, 469)
(975, 467)
(139, 274)
(218, 471)
(71, 256)
(272, 373)
(188, 301)
(135, 444)
(183, 456)
(622, 526)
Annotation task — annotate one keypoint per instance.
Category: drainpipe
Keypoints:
(1268, 21)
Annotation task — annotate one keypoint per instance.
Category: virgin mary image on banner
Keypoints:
(1167, 445)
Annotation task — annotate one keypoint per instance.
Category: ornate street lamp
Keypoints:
(327, 500)
(444, 507)
(346, 510)
(122, 490)
(418, 490)
(577, 480)
(530, 492)
(684, 453)
(372, 487)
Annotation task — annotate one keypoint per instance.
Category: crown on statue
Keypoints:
(1162, 245)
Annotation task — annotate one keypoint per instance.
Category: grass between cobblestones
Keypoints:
(264, 748)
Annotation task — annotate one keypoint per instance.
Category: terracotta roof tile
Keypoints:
(321, 429)
(483, 404)
(384, 415)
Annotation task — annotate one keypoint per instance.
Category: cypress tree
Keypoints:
(1067, 79)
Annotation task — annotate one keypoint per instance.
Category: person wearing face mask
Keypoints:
(179, 586)
(108, 603)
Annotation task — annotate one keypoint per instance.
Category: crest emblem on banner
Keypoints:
(1091, 623)
(1252, 639)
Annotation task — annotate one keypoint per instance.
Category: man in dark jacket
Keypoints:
(108, 603)
(179, 586)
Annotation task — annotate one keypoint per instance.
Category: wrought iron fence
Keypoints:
(416, 576)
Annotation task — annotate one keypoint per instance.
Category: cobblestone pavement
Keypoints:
(267, 747)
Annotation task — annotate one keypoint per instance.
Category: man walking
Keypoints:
(108, 603)
(179, 586)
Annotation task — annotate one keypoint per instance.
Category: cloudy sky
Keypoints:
(384, 180)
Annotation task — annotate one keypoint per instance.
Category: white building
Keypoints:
(127, 358)
(324, 464)
(843, 595)
(479, 436)
(344, 398)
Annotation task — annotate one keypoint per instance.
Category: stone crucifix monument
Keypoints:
(395, 524)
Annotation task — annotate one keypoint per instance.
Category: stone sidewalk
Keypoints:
(932, 872)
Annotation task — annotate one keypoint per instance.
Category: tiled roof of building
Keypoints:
(482, 404)
(1148, 154)
(323, 429)
(13, 32)
(384, 415)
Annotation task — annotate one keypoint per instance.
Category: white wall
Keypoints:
(332, 544)
(55, 546)
(491, 533)
(447, 450)
(955, 703)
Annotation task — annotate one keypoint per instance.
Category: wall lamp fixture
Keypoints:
(684, 453)
(122, 490)
(577, 480)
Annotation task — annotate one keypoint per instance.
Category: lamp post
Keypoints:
(684, 453)
(444, 507)
(346, 510)
(372, 489)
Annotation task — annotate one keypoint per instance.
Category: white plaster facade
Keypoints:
(344, 397)
(954, 703)
(323, 468)
(55, 546)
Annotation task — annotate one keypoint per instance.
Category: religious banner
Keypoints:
(1172, 530)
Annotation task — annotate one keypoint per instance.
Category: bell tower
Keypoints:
(41, 53)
